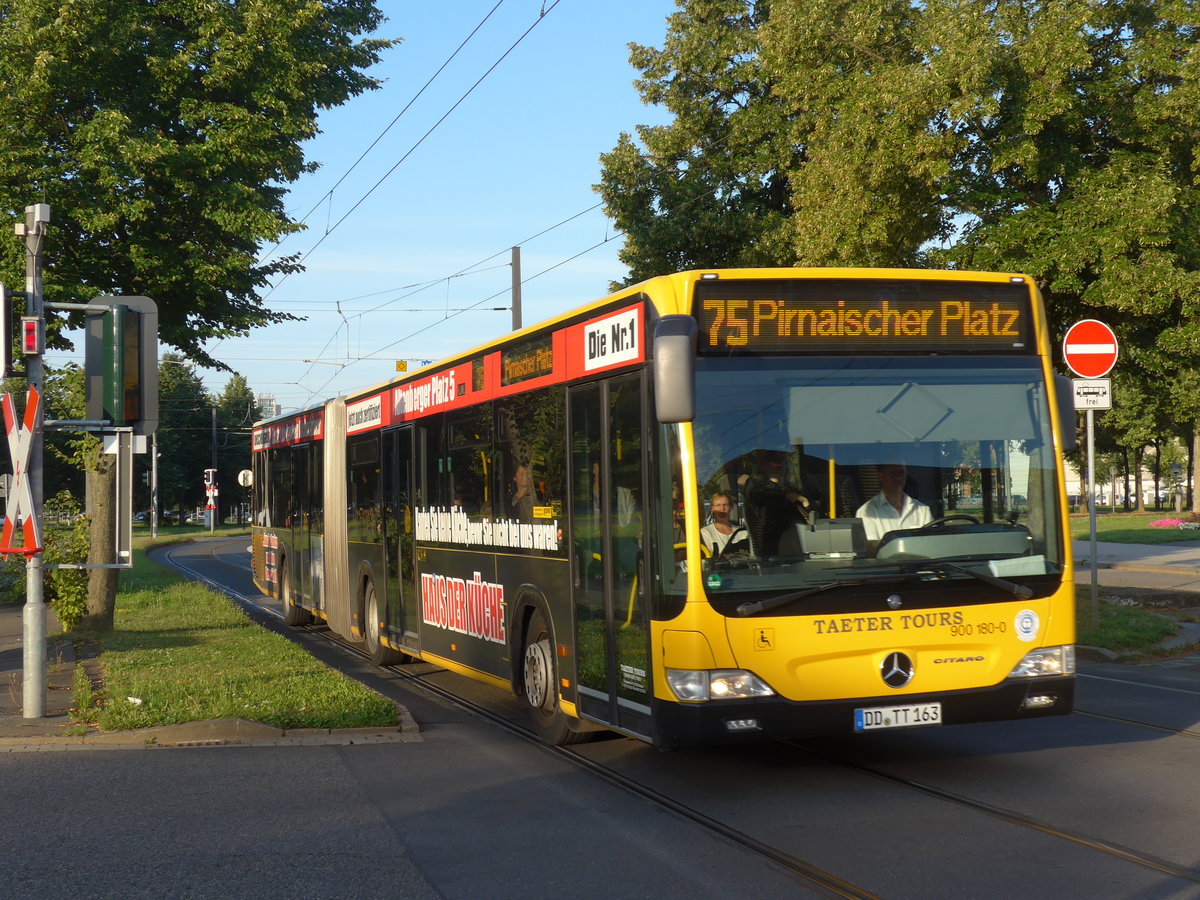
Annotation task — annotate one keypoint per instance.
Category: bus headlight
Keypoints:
(697, 685)
(1046, 661)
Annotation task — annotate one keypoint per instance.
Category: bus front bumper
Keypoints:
(774, 718)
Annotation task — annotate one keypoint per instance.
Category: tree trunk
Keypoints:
(1139, 456)
(1195, 455)
(1158, 444)
(102, 583)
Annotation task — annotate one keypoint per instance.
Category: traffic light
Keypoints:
(210, 476)
(122, 363)
(31, 336)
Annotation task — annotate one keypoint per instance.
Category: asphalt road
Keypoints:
(1103, 803)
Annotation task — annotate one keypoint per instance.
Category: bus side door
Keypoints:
(402, 613)
(607, 497)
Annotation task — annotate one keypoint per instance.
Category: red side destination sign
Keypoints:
(1090, 349)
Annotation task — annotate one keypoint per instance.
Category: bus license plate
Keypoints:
(873, 717)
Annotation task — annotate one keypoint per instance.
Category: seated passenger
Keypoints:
(773, 503)
(891, 508)
(722, 537)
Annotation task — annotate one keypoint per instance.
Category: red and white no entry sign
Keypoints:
(1090, 349)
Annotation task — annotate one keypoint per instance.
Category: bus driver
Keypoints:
(891, 508)
(722, 537)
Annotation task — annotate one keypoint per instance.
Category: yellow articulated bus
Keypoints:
(716, 506)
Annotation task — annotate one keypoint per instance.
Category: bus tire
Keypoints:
(539, 672)
(292, 614)
(381, 654)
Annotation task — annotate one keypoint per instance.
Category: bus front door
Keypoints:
(612, 638)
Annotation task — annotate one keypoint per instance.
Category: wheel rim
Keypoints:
(538, 669)
(371, 626)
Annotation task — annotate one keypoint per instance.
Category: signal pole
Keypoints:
(37, 216)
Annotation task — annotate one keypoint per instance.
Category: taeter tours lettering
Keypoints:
(894, 622)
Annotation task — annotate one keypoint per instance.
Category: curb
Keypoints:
(1139, 567)
(217, 733)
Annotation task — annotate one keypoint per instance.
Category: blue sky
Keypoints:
(520, 154)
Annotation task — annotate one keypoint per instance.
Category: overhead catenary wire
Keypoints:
(328, 195)
(329, 230)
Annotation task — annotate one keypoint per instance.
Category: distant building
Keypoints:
(268, 406)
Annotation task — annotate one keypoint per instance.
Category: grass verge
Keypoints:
(1129, 630)
(180, 652)
(1131, 528)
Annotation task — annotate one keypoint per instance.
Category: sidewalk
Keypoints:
(1179, 561)
(60, 677)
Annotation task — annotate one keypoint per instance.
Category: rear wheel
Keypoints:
(540, 681)
(292, 614)
(380, 653)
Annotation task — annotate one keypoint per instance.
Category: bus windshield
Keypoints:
(814, 471)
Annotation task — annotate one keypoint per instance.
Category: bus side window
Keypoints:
(467, 466)
(530, 436)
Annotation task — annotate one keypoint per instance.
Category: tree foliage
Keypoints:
(1059, 138)
(185, 434)
(237, 410)
(163, 136)
(709, 189)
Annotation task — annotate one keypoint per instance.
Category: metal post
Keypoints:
(154, 484)
(212, 499)
(1091, 464)
(516, 288)
(37, 216)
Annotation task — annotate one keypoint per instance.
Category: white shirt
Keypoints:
(710, 536)
(879, 516)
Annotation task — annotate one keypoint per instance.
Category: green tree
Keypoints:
(709, 189)
(1059, 138)
(237, 411)
(163, 137)
(184, 435)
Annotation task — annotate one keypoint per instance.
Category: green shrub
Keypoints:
(66, 540)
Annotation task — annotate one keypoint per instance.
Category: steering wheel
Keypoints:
(956, 517)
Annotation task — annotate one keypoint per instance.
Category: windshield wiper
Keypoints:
(757, 606)
(1004, 584)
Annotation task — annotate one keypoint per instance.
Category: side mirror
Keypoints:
(675, 368)
(1064, 391)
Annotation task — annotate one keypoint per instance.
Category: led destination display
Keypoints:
(834, 316)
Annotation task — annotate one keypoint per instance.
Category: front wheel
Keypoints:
(540, 680)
